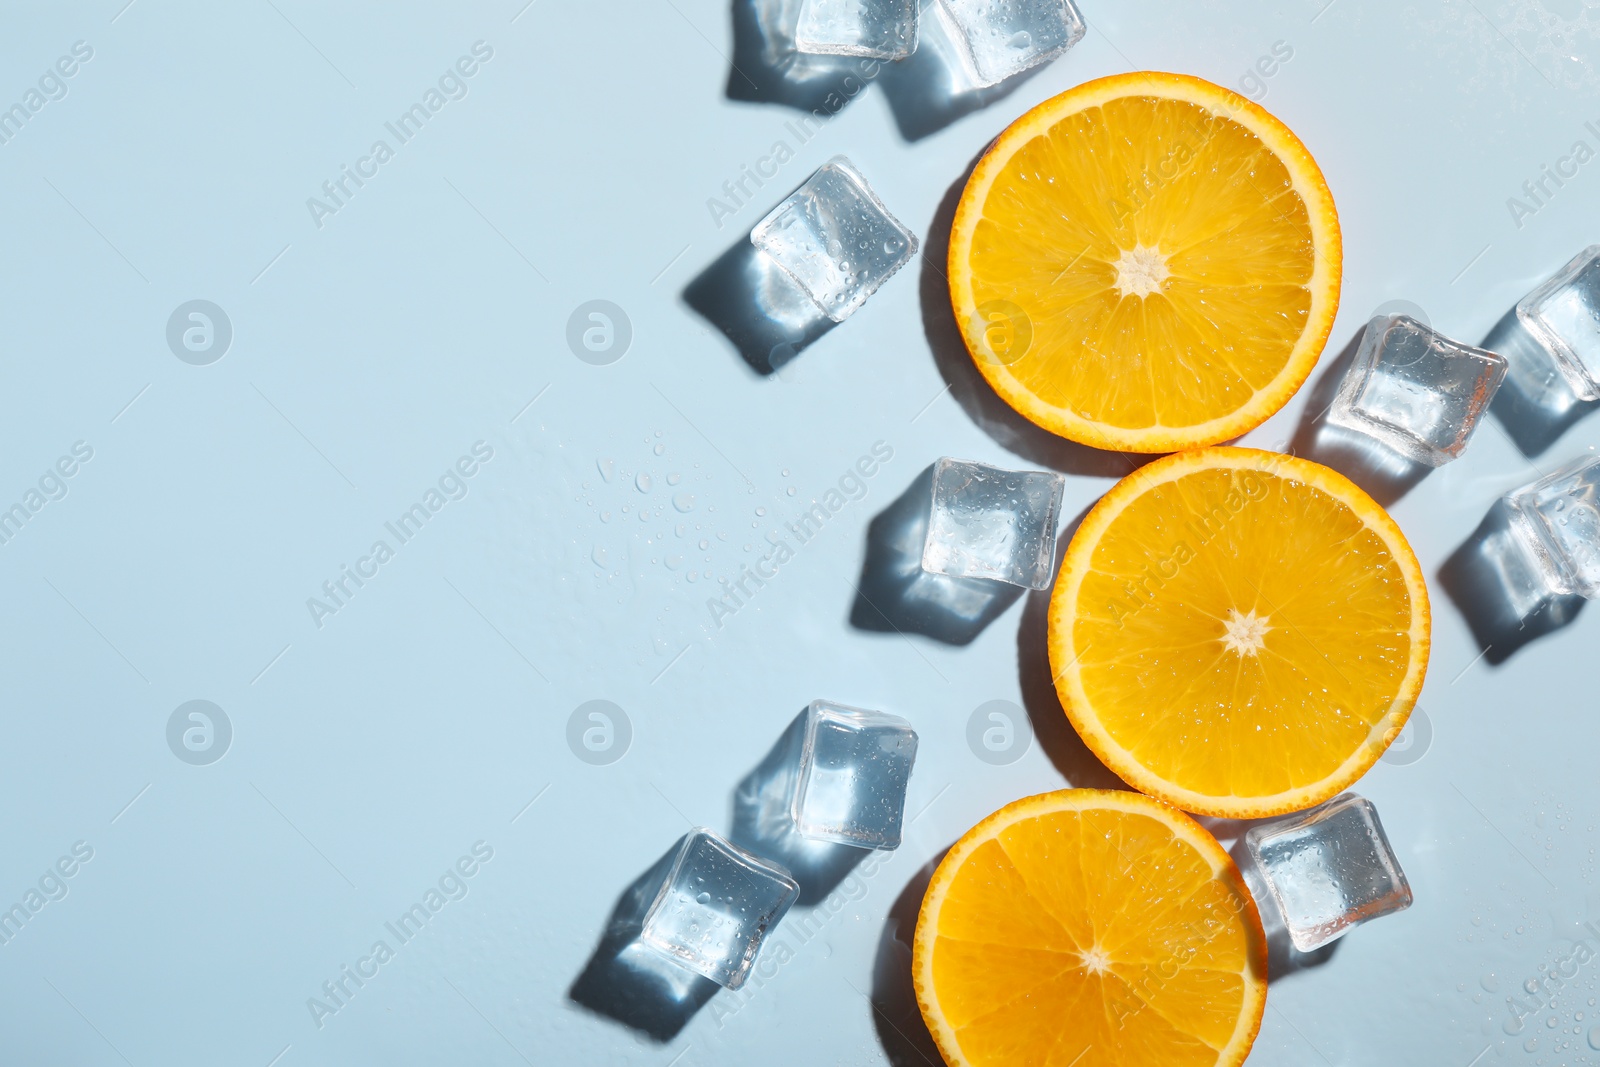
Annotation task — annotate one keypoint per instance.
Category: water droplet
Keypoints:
(792, 490)
(674, 479)
(607, 467)
(1594, 1037)
(703, 898)
(643, 482)
(674, 562)
(784, 472)
(761, 511)
(605, 516)
(1490, 983)
(683, 502)
(598, 555)
(704, 544)
(660, 449)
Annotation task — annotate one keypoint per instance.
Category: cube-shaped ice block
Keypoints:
(1416, 390)
(716, 905)
(989, 522)
(854, 766)
(1557, 519)
(879, 29)
(1563, 315)
(1329, 869)
(1000, 39)
(835, 237)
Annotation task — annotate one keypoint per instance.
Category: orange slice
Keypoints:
(1148, 262)
(1238, 632)
(1090, 928)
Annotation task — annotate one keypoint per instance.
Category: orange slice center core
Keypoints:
(1095, 961)
(1245, 633)
(1141, 271)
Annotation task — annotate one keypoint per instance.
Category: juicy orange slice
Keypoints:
(1089, 928)
(1238, 632)
(1148, 262)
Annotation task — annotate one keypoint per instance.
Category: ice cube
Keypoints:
(879, 29)
(1329, 869)
(715, 906)
(1557, 520)
(989, 522)
(1520, 575)
(1002, 38)
(1416, 390)
(854, 766)
(835, 237)
(1563, 315)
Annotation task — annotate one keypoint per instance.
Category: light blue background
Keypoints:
(369, 353)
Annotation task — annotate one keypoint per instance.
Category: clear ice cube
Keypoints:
(1557, 520)
(1416, 390)
(879, 29)
(1520, 575)
(715, 907)
(835, 237)
(1329, 869)
(1002, 38)
(988, 522)
(1563, 315)
(854, 766)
